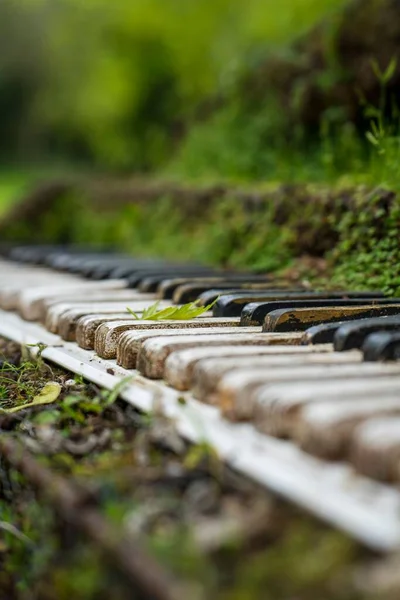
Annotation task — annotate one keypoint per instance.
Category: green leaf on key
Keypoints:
(47, 395)
(173, 313)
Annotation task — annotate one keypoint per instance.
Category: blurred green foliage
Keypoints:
(114, 84)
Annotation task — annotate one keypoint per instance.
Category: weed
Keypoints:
(173, 313)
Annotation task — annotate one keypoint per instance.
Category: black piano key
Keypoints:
(287, 320)
(152, 283)
(381, 346)
(191, 292)
(321, 334)
(254, 314)
(190, 288)
(124, 269)
(210, 295)
(166, 272)
(129, 269)
(353, 335)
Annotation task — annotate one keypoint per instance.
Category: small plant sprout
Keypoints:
(377, 134)
(173, 313)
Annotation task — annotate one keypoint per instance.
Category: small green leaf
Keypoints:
(48, 417)
(48, 395)
(174, 313)
(115, 392)
(376, 69)
(390, 70)
(371, 138)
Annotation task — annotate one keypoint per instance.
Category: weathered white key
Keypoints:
(125, 297)
(376, 448)
(179, 365)
(31, 301)
(277, 406)
(222, 381)
(86, 325)
(10, 292)
(56, 311)
(93, 296)
(68, 320)
(108, 334)
(154, 353)
(325, 429)
(130, 342)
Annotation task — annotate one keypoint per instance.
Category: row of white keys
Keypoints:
(67, 314)
(180, 365)
(108, 334)
(153, 353)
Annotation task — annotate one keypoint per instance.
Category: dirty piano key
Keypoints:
(382, 346)
(302, 318)
(277, 407)
(321, 334)
(353, 334)
(123, 335)
(35, 309)
(86, 325)
(56, 311)
(69, 321)
(326, 429)
(254, 313)
(236, 392)
(107, 335)
(154, 353)
(249, 372)
(130, 342)
(152, 282)
(277, 290)
(135, 279)
(201, 292)
(230, 305)
(180, 365)
(190, 288)
(375, 448)
(122, 269)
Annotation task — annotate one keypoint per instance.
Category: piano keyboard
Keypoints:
(297, 389)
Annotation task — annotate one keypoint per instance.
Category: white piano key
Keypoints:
(179, 365)
(229, 378)
(154, 353)
(277, 406)
(108, 334)
(326, 428)
(375, 447)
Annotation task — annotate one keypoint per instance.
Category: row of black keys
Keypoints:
(252, 297)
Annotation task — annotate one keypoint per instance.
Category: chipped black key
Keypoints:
(253, 314)
(303, 318)
(381, 346)
(353, 335)
(321, 334)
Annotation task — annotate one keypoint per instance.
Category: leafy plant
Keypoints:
(377, 135)
(188, 311)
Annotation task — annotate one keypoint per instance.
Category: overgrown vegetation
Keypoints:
(220, 534)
